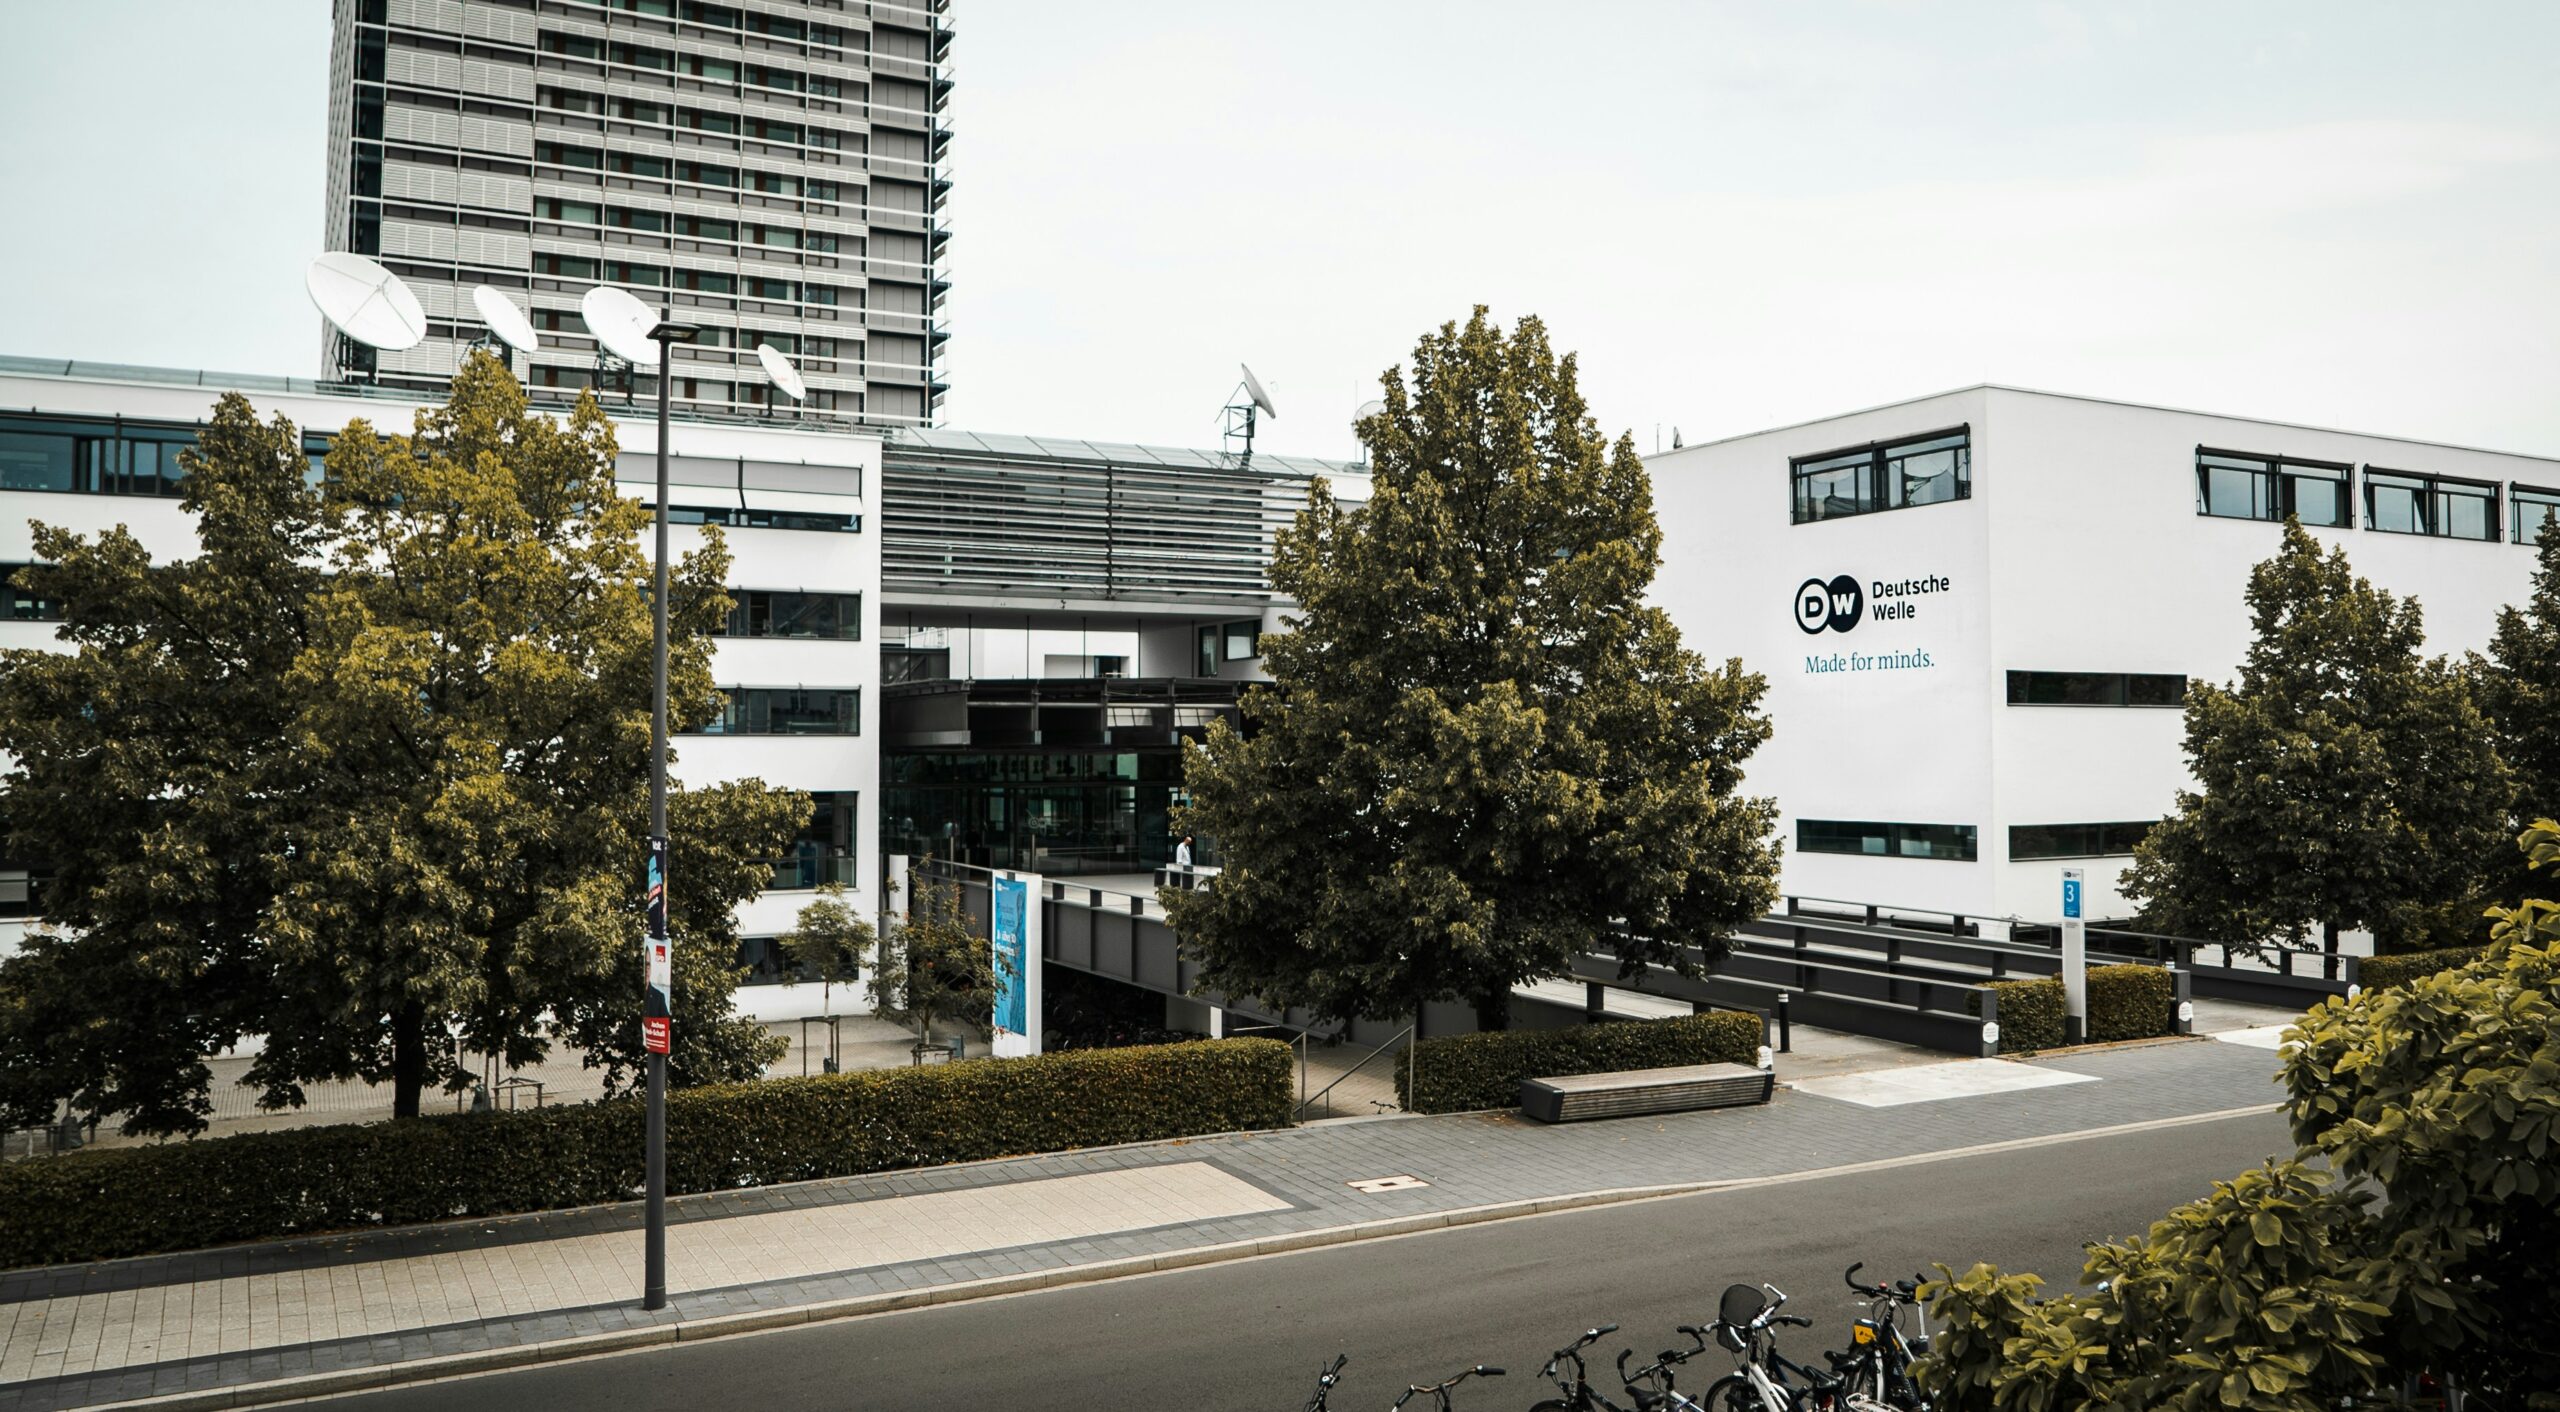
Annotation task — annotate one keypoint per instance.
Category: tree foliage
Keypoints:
(828, 941)
(937, 965)
(366, 774)
(2518, 685)
(2344, 781)
(2411, 1234)
(1482, 751)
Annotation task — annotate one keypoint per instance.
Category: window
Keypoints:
(735, 518)
(756, 612)
(2096, 689)
(552, 208)
(2027, 841)
(900, 664)
(562, 154)
(637, 165)
(824, 851)
(1883, 475)
(546, 262)
(2235, 485)
(2527, 509)
(94, 458)
(21, 891)
(1950, 841)
(1208, 664)
(760, 710)
(2407, 502)
(1243, 640)
(21, 605)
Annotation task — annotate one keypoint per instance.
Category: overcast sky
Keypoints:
(1740, 214)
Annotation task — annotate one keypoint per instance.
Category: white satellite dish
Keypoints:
(778, 371)
(365, 301)
(505, 319)
(1261, 398)
(1368, 409)
(621, 323)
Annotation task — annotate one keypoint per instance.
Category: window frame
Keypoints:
(1870, 466)
(1897, 838)
(2277, 495)
(2019, 681)
(740, 709)
(2430, 490)
(2543, 496)
(2016, 855)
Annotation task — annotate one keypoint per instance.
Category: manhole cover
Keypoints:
(1399, 1182)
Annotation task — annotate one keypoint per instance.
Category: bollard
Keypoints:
(1786, 1041)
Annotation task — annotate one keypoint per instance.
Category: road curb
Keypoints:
(456, 1365)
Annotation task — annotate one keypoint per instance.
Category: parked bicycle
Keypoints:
(1763, 1380)
(1877, 1366)
(1566, 1370)
(1439, 1392)
(1324, 1383)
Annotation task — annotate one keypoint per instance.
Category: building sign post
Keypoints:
(1015, 932)
(2075, 960)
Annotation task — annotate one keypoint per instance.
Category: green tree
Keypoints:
(366, 776)
(938, 965)
(1482, 752)
(2343, 781)
(2410, 1234)
(829, 941)
(2518, 685)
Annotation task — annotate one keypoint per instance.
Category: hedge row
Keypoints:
(2125, 1002)
(109, 1202)
(2378, 972)
(1465, 1072)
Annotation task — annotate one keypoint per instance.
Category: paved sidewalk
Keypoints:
(302, 1318)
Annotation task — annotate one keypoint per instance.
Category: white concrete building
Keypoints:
(1978, 613)
(88, 448)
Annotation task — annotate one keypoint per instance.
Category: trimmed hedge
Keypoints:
(2125, 1002)
(109, 1202)
(1461, 1073)
(2379, 972)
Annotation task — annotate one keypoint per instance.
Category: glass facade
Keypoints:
(2405, 502)
(760, 710)
(1060, 813)
(757, 612)
(1894, 475)
(2235, 485)
(824, 851)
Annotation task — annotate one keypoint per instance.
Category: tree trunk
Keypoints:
(1493, 1011)
(2329, 948)
(408, 1059)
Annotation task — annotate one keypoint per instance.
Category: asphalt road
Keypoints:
(1252, 1334)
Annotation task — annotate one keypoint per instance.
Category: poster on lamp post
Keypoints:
(656, 1007)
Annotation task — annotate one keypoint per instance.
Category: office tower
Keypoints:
(770, 171)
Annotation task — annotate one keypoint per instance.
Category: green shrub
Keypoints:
(111, 1202)
(1465, 1072)
(2125, 1002)
(2377, 972)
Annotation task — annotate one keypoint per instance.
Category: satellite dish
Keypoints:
(621, 323)
(505, 319)
(1368, 409)
(778, 371)
(1261, 398)
(365, 301)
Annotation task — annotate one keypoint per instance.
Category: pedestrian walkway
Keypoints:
(300, 1318)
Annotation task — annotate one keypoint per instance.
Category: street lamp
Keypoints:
(638, 335)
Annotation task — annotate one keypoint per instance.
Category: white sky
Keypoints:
(1741, 214)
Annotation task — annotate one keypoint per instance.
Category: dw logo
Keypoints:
(1836, 605)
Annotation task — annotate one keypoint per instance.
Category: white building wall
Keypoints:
(2081, 549)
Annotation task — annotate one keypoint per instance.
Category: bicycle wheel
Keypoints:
(1734, 1393)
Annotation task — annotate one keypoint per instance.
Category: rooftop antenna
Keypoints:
(505, 325)
(621, 323)
(779, 372)
(1240, 413)
(368, 306)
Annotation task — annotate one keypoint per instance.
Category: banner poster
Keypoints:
(656, 1007)
(1012, 966)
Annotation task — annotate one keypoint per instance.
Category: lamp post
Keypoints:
(657, 1008)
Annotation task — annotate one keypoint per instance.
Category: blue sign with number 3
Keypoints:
(2070, 898)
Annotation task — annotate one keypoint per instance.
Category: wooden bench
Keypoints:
(1574, 1097)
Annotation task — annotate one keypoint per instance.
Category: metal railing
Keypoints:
(1305, 1103)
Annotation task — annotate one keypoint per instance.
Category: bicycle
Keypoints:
(1759, 1380)
(1324, 1384)
(1576, 1385)
(1440, 1391)
(1877, 1366)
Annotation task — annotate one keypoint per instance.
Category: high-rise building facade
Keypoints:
(770, 171)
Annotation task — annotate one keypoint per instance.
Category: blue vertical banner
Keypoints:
(656, 1007)
(1013, 1003)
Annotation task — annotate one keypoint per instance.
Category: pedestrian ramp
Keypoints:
(1932, 1083)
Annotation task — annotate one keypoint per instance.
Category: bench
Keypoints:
(1574, 1097)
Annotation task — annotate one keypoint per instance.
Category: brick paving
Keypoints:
(198, 1323)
